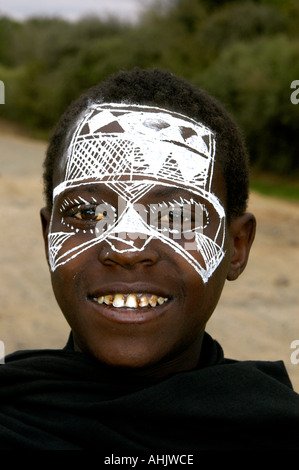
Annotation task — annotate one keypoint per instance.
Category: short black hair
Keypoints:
(159, 88)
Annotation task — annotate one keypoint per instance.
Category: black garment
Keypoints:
(63, 399)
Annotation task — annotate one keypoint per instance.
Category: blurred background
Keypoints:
(245, 53)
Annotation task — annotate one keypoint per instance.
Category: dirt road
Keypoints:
(257, 318)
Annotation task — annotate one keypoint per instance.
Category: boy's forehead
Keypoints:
(116, 142)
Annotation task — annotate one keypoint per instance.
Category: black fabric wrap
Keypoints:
(66, 400)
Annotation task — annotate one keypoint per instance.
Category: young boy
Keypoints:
(146, 184)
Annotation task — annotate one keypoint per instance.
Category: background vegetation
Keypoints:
(246, 53)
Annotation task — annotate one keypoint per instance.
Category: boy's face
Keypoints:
(137, 241)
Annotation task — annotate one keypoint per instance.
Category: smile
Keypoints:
(131, 300)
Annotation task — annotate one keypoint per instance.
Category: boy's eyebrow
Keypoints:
(158, 192)
(88, 188)
(171, 191)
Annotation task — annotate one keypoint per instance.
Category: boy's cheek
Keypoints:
(68, 289)
(65, 245)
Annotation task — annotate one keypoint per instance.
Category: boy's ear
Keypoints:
(45, 216)
(242, 233)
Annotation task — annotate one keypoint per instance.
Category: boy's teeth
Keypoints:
(131, 300)
(108, 299)
(118, 301)
(153, 300)
(143, 301)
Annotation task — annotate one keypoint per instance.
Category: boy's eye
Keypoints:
(177, 218)
(90, 214)
(170, 216)
(185, 218)
(182, 215)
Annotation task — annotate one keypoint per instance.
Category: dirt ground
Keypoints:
(257, 317)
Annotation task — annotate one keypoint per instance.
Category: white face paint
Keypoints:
(133, 150)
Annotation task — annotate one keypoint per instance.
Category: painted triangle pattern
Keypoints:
(56, 241)
(113, 145)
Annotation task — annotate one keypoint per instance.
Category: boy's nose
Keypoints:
(129, 241)
(118, 253)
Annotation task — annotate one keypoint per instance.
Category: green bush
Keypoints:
(253, 80)
(243, 21)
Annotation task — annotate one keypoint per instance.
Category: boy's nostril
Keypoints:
(119, 253)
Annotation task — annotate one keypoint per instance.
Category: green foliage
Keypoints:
(278, 187)
(241, 22)
(246, 53)
(253, 80)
